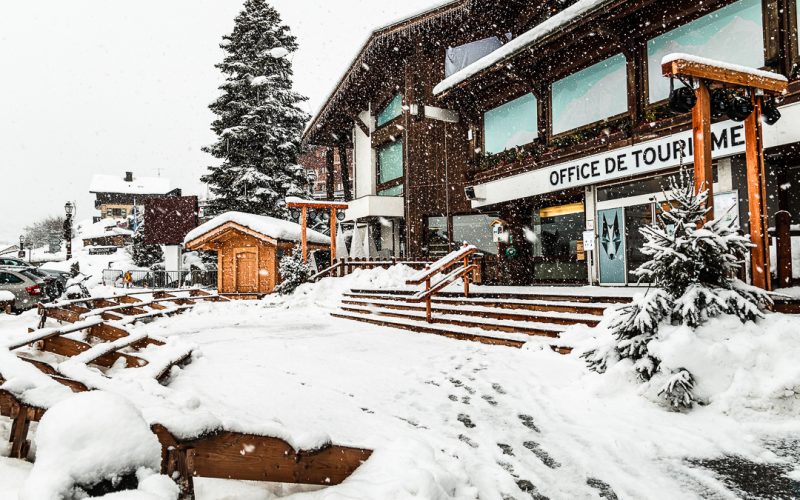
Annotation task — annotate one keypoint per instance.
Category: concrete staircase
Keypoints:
(509, 319)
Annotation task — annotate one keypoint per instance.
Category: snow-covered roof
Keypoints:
(106, 227)
(558, 21)
(723, 65)
(271, 227)
(140, 185)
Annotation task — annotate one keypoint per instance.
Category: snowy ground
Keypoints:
(450, 419)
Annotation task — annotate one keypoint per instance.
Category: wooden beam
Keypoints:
(316, 205)
(330, 174)
(757, 198)
(701, 129)
(762, 80)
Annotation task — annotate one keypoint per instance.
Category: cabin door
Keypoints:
(246, 271)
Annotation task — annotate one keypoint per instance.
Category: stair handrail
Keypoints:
(464, 255)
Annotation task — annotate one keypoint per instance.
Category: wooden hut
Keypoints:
(249, 248)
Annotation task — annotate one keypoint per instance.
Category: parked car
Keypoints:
(13, 262)
(28, 289)
(53, 289)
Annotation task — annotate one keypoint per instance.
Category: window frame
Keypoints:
(516, 93)
(609, 119)
(383, 186)
(384, 105)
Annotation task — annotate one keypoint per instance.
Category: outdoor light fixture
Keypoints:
(340, 215)
(294, 213)
(719, 103)
(770, 112)
(325, 216)
(21, 242)
(68, 208)
(681, 100)
(738, 108)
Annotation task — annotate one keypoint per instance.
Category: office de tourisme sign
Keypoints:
(650, 156)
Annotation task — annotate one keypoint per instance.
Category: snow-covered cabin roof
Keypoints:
(271, 227)
(522, 42)
(139, 185)
(102, 229)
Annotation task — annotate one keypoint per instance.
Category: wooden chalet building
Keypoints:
(116, 197)
(519, 125)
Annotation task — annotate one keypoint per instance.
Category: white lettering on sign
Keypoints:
(651, 156)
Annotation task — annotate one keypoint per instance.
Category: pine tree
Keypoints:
(691, 271)
(258, 125)
(293, 271)
(142, 254)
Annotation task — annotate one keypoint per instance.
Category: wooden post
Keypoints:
(303, 235)
(466, 277)
(783, 230)
(330, 185)
(701, 129)
(757, 198)
(333, 236)
(428, 314)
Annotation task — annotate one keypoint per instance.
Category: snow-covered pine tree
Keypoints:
(293, 271)
(692, 273)
(258, 125)
(144, 255)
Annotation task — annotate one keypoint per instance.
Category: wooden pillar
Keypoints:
(303, 236)
(333, 236)
(701, 129)
(329, 174)
(783, 231)
(344, 166)
(757, 199)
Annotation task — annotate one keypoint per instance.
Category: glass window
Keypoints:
(510, 125)
(390, 162)
(391, 111)
(392, 191)
(436, 238)
(475, 230)
(8, 278)
(590, 95)
(557, 240)
(718, 35)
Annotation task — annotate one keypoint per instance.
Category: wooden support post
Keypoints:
(344, 166)
(303, 236)
(757, 198)
(428, 306)
(21, 420)
(330, 185)
(333, 236)
(701, 129)
(466, 276)
(783, 230)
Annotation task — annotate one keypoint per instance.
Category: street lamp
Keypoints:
(69, 208)
(21, 252)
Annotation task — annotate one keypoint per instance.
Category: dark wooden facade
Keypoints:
(443, 158)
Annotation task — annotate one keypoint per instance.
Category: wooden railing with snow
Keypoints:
(344, 267)
(457, 265)
(251, 457)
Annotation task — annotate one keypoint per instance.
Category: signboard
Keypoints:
(651, 156)
(588, 241)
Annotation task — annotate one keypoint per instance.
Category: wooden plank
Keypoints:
(127, 299)
(682, 67)
(68, 347)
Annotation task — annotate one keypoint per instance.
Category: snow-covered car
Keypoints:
(28, 289)
(13, 262)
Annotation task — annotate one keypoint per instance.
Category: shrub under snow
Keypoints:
(692, 270)
(95, 442)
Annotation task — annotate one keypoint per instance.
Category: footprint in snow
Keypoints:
(489, 399)
(528, 422)
(508, 468)
(455, 382)
(467, 440)
(498, 388)
(527, 487)
(464, 419)
(453, 397)
(469, 389)
(367, 410)
(465, 400)
(507, 449)
(603, 488)
(541, 454)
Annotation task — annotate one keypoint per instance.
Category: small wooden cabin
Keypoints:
(249, 248)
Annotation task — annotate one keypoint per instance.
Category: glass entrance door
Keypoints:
(611, 240)
(636, 217)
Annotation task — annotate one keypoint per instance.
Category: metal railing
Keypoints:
(161, 279)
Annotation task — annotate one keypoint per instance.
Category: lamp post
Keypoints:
(21, 252)
(68, 209)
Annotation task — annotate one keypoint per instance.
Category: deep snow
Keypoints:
(450, 419)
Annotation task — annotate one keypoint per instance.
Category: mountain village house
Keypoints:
(116, 197)
(518, 126)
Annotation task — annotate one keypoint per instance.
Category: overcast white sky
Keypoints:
(99, 86)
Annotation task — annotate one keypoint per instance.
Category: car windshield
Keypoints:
(31, 274)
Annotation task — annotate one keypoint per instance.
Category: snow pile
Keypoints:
(738, 367)
(268, 226)
(722, 65)
(101, 229)
(6, 296)
(327, 292)
(89, 439)
(29, 384)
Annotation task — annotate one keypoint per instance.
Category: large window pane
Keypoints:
(510, 125)
(391, 111)
(390, 162)
(733, 34)
(436, 237)
(555, 240)
(590, 95)
(475, 230)
(392, 191)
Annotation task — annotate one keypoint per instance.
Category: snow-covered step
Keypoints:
(483, 311)
(576, 294)
(594, 309)
(510, 326)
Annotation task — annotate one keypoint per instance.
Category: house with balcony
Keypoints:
(550, 120)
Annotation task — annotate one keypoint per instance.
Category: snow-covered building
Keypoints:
(550, 119)
(249, 248)
(105, 233)
(116, 196)
(328, 177)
